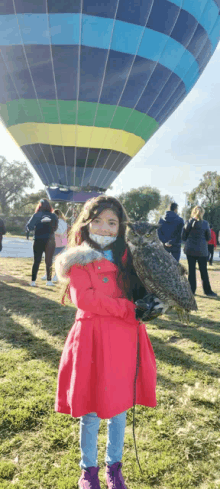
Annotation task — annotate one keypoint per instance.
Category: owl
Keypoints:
(159, 272)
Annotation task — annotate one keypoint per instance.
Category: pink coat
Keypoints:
(98, 363)
(61, 234)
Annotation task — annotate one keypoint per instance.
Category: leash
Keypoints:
(134, 400)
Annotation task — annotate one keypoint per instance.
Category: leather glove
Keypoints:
(150, 307)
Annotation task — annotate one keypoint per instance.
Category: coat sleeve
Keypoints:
(160, 232)
(208, 233)
(177, 233)
(32, 222)
(86, 298)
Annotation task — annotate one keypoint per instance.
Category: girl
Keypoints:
(196, 233)
(44, 223)
(60, 235)
(98, 364)
(60, 238)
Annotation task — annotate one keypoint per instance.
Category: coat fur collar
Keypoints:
(79, 255)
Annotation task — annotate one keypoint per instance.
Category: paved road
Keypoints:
(16, 248)
(23, 248)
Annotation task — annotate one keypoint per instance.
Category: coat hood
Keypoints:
(78, 255)
(170, 217)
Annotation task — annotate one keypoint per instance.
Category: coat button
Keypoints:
(105, 279)
(99, 268)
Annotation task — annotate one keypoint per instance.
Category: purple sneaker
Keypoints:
(89, 478)
(114, 477)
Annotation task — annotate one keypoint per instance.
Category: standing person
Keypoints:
(60, 238)
(196, 233)
(98, 364)
(44, 223)
(211, 245)
(27, 233)
(73, 214)
(170, 231)
(2, 231)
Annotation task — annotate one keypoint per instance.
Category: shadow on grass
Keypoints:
(172, 355)
(57, 321)
(45, 313)
(12, 279)
(192, 332)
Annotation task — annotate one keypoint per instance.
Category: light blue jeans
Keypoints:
(89, 427)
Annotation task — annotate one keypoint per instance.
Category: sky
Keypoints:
(175, 159)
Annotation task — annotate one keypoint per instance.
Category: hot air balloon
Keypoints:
(85, 83)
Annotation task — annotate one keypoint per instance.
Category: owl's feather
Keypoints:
(159, 272)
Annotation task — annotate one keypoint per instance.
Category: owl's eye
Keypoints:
(148, 235)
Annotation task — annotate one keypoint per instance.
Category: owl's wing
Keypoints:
(160, 273)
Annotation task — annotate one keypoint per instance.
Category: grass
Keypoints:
(178, 442)
(11, 235)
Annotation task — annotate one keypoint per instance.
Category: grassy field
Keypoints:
(178, 442)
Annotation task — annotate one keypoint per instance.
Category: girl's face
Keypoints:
(106, 224)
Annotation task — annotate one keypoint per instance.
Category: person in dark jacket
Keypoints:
(44, 223)
(196, 233)
(170, 231)
(2, 231)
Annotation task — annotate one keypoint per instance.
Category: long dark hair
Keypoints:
(43, 205)
(121, 253)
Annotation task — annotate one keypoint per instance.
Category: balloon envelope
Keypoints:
(84, 84)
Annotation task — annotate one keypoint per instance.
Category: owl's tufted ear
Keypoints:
(131, 225)
(141, 228)
(154, 226)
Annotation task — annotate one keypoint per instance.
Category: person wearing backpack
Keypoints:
(44, 224)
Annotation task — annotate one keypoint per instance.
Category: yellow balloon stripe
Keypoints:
(81, 136)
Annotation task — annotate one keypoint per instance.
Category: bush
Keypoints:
(16, 224)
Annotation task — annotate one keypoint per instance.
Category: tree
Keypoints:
(140, 201)
(212, 215)
(15, 178)
(28, 202)
(207, 194)
(155, 215)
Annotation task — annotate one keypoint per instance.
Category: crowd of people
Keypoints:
(50, 237)
(51, 233)
(200, 241)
